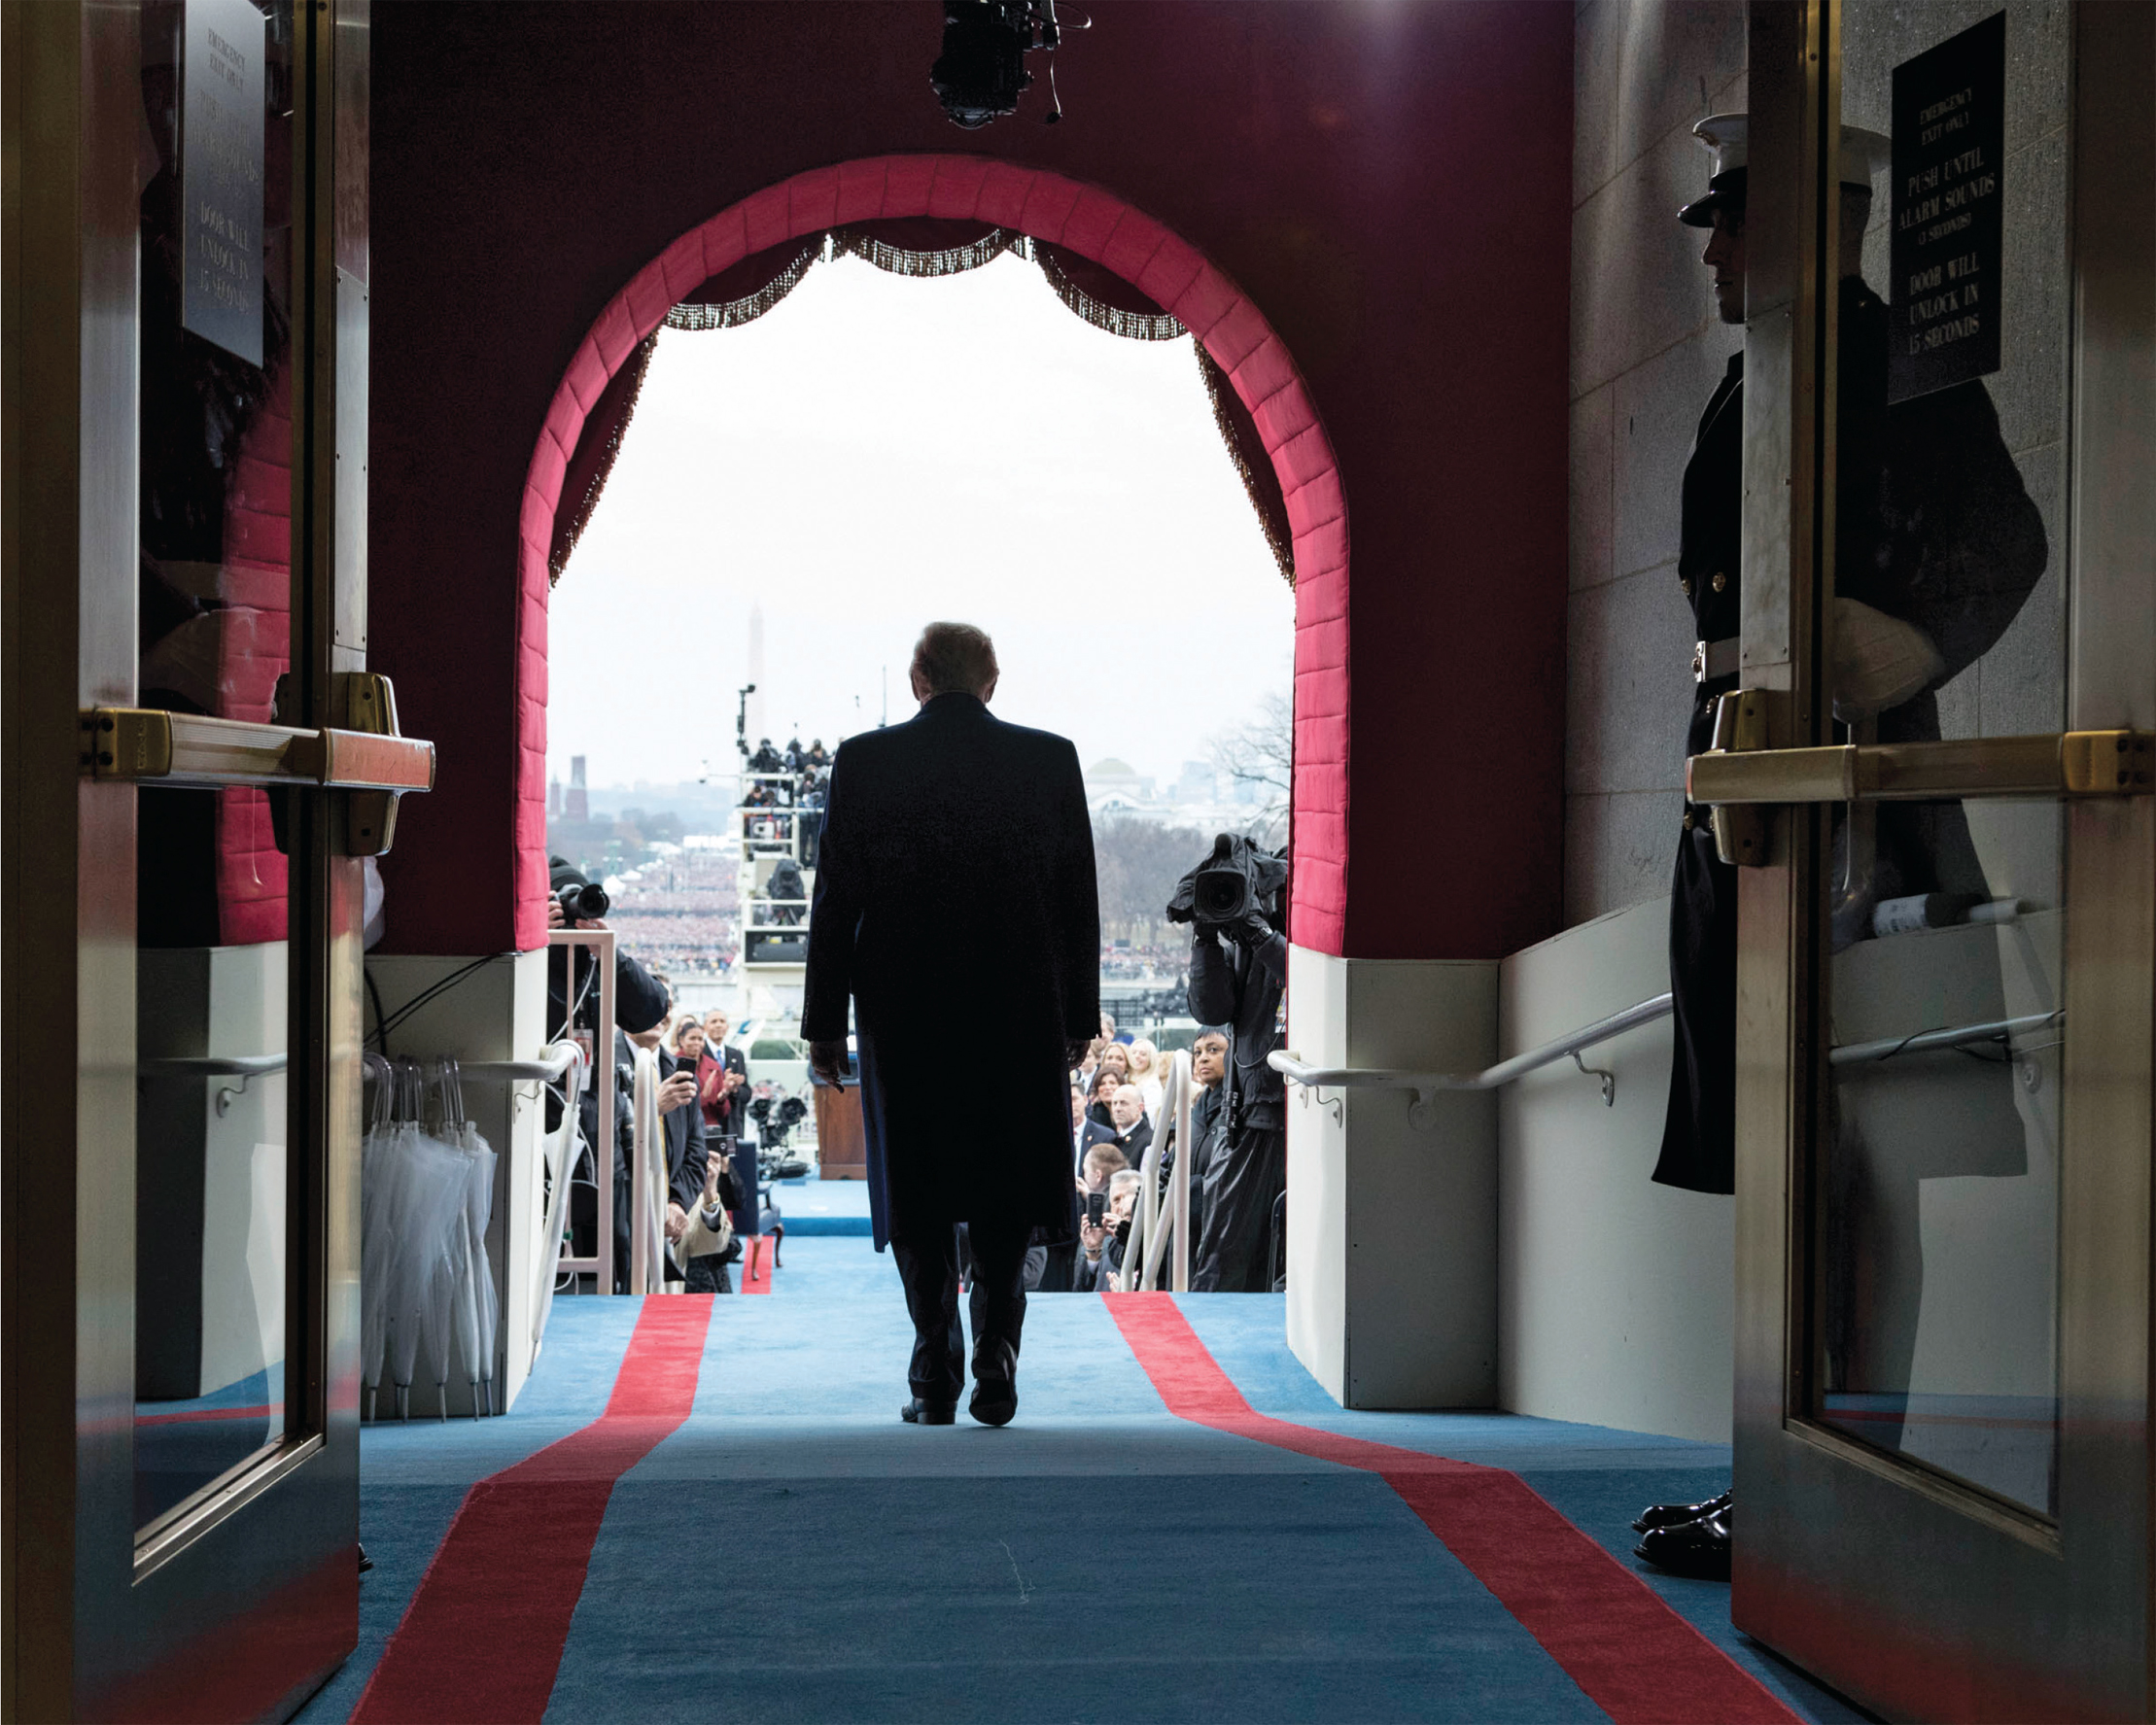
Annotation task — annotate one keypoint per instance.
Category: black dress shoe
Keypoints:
(917, 1412)
(1699, 1548)
(994, 1384)
(1675, 1515)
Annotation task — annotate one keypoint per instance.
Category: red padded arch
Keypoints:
(1100, 226)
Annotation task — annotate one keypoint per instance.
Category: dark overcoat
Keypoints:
(954, 903)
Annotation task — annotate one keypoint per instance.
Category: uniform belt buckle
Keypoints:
(1712, 659)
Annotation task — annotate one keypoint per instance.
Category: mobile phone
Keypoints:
(1096, 1207)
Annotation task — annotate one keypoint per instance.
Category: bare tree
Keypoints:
(1139, 865)
(1259, 752)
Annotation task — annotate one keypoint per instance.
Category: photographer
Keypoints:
(640, 1005)
(640, 1002)
(1101, 1243)
(687, 1153)
(1239, 975)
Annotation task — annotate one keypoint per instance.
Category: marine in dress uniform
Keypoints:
(1699, 1131)
(1935, 538)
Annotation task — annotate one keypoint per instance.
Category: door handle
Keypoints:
(2055, 764)
(364, 758)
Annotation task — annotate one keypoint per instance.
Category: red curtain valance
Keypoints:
(914, 246)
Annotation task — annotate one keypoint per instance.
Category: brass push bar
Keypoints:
(2073, 764)
(132, 742)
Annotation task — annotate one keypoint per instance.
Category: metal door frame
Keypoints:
(245, 1602)
(1915, 1595)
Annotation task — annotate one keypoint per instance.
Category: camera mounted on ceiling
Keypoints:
(982, 72)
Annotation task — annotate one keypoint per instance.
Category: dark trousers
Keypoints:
(1247, 1173)
(1699, 1132)
(928, 1268)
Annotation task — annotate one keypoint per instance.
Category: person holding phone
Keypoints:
(1106, 1231)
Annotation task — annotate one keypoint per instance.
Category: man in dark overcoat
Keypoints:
(955, 891)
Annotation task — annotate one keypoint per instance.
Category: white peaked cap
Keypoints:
(1866, 154)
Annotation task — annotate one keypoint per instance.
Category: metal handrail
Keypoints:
(601, 1263)
(214, 1065)
(1886, 1047)
(1150, 1235)
(1427, 1085)
(549, 1068)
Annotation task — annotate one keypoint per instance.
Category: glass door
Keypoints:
(206, 769)
(1936, 788)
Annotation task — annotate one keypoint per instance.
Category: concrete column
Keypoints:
(1392, 1229)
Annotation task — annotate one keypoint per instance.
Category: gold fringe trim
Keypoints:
(1278, 539)
(736, 312)
(558, 559)
(1134, 325)
(899, 261)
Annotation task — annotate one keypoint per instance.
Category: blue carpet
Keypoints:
(820, 1209)
(794, 1553)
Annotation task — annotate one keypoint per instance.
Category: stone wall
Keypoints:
(1647, 351)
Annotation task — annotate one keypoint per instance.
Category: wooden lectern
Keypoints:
(841, 1153)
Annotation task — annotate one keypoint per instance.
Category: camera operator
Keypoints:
(1209, 1072)
(1239, 975)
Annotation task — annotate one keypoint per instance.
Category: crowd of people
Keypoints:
(715, 1124)
(1116, 1099)
(681, 914)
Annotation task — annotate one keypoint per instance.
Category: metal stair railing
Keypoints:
(1428, 1086)
(1156, 1229)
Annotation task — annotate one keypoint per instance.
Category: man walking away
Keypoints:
(956, 885)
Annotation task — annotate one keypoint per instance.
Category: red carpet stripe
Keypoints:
(195, 1415)
(1635, 1658)
(757, 1252)
(483, 1635)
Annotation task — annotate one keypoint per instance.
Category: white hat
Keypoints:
(1864, 155)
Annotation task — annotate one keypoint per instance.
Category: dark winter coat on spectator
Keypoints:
(686, 1150)
(1240, 985)
(956, 886)
(1133, 1143)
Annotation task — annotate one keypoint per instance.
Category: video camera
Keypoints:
(775, 1123)
(1237, 880)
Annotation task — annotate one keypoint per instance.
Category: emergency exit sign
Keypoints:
(1948, 240)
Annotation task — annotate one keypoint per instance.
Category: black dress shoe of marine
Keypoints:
(1675, 1515)
(917, 1412)
(994, 1384)
(1699, 1548)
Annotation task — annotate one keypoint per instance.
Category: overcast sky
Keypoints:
(880, 451)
